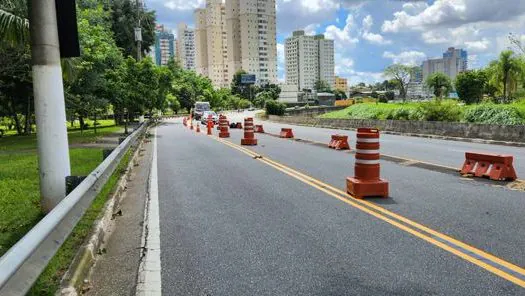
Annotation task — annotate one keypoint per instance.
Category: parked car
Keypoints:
(214, 116)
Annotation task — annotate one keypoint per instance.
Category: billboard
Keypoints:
(247, 78)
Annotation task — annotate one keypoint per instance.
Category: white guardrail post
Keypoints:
(25, 261)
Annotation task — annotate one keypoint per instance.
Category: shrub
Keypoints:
(383, 99)
(438, 110)
(494, 114)
(400, 114)
(275, 108)
(390, 95)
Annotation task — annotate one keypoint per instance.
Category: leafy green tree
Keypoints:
(322, 86)
(242, 90)
(390, 95)
(123, 23)
(439, 83)
(14, 25)
(506, 72)
(470, 86)
(401, 75)
(339, 94)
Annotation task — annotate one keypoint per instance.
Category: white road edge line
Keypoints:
(149, 278)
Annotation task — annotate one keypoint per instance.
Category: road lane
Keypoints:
(443, 152)
(231, 225)
(477, 213)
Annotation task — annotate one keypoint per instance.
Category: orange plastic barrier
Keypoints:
(223, 124)
(198, 129)
(286, 133)
(367, 181)
(493, 166)
(238, 125)
(339, 142)
(259, 128)
(249, 136)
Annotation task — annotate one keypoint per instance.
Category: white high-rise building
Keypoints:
(453, 62)
(309, 59)
(238, 35)
(185, 50)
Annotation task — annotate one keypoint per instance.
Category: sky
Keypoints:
(369, 35)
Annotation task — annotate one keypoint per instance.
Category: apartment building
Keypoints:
(308, 59)
(453, 62)
(240, 34)
(185, 47)
(164, 45)
(341, 84)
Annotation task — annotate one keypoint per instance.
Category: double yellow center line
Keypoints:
(497, 266)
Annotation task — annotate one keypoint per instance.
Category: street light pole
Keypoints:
(50, 112)
(138, 31)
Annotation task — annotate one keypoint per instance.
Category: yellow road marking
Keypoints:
(365, 206)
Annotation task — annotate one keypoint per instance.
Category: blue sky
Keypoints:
(372, 34)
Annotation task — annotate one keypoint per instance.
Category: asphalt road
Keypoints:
(232, 224)
(444, 152)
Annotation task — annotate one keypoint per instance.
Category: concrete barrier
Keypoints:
(500, 133)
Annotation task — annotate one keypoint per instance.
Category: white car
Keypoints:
(214, 116)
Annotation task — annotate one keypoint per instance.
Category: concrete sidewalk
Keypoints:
(115, 272)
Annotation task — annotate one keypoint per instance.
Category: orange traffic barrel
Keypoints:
(259, 128)
(223, 124)
(367, 181)
(286, 133)
(209, 125)
(249, 136)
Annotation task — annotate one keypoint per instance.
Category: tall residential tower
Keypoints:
(239, 35)
(185, 47)
(309, 59)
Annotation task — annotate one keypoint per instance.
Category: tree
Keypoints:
(339, 94)
(401, 75)
(390, 95)
(242, 90)
(506, 71)
(439, 83)
(123, 23)
(14, 25)
(322, 86)
(470, 86)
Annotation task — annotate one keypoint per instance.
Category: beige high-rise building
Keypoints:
(341, 84)
(309, 59)
(240, 34)
(185, 47)
(201, 42)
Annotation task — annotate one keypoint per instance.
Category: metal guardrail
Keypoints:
(25, 261)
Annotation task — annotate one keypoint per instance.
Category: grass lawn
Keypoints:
(17, 143)
(19, 190)
(368, 110)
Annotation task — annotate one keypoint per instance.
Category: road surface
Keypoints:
(273, 219)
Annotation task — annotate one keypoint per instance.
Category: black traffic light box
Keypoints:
(67, 28)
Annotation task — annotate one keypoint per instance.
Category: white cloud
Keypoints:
(280, 61)
(410, 58)
(368, 22)
(183, 4)
(311, 29)
(478, 46)
(295, 14)
(454, 13)
(373, 38)
(342, 37)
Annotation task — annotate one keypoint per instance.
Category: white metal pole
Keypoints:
(53, 150)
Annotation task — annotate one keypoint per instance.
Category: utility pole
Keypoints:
(138, 31)
(50, 111)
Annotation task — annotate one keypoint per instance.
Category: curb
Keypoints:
(73, 280)
(428, 136)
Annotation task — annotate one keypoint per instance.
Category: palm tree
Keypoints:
(14, 26)
(440, 83)
(507, 70)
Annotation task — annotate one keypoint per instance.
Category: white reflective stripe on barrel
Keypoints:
(362, 151)
(364, 161)
(368, 140)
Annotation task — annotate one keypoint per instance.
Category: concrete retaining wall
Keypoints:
(504, 133)
(313, 111)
